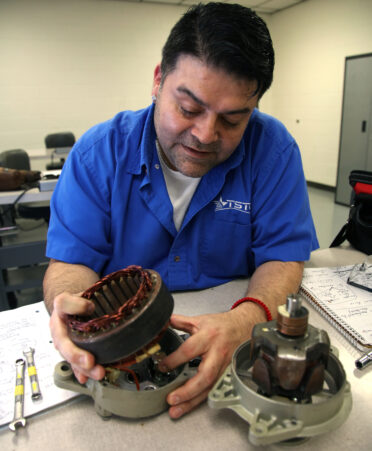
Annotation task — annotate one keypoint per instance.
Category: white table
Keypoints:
(76, 425)
(32, 195)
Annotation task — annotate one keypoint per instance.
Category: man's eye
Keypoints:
(187, 113)
(229, 123)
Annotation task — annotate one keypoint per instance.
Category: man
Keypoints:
(200, 186)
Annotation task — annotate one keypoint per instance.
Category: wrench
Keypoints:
(29, 354)
(18, 419)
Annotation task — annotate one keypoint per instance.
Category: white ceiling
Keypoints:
(260, 6)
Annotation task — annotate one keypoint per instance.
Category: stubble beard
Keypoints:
(191, 167)
(175, 156)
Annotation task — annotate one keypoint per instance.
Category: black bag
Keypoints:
(358, 229)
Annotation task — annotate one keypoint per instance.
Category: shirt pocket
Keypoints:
(226, 249)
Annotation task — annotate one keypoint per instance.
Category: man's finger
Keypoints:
(67, 304)
(81, 377)
(78, 358)
(66, 347)
(184, 323)
(191, 348)
(180, 409)
(210, 369)
(97, 373)
(81, 361)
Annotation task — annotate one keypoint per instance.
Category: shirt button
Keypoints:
(177, 258)
(157, 166)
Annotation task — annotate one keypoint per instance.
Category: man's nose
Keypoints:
(205, 129)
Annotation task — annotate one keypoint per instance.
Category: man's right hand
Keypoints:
(82, 362)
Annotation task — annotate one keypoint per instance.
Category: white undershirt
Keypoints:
(180, 188)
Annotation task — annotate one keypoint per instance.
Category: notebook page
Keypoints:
(347, 305)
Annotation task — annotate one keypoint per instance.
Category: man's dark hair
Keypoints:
(226, 36)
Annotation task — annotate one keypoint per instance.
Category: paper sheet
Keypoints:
(21, 329)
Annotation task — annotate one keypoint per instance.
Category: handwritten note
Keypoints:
(21, 329)
(346, 304)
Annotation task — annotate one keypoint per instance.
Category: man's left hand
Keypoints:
(214, 337)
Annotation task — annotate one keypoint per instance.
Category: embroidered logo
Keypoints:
(244, 207)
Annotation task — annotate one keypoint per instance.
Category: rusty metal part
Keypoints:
(274, 419)
(133, 307)
(286, 382)
(285, 361)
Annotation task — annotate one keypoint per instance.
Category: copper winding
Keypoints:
(293, 326)
(115, 279)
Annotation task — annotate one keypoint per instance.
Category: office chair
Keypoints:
(61, 143)
(15, 159)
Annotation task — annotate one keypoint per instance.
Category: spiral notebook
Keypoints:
(346, 307)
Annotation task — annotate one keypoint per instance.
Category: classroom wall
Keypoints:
(311, 41)
(66, 65)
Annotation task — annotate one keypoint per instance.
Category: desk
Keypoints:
(32, 195)
(76, 425)
(27, 248)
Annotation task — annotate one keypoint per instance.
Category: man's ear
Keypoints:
(157, 80)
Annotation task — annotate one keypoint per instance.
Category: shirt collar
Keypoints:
(146, 150)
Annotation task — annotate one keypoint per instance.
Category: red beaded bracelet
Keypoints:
(256, 301)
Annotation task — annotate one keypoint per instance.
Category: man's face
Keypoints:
(200, 114)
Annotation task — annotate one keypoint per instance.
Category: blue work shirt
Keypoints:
(111, 208)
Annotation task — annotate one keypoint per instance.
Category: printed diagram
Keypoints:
(336, 295)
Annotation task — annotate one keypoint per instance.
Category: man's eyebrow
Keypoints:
(241, 111)
(189, 93)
